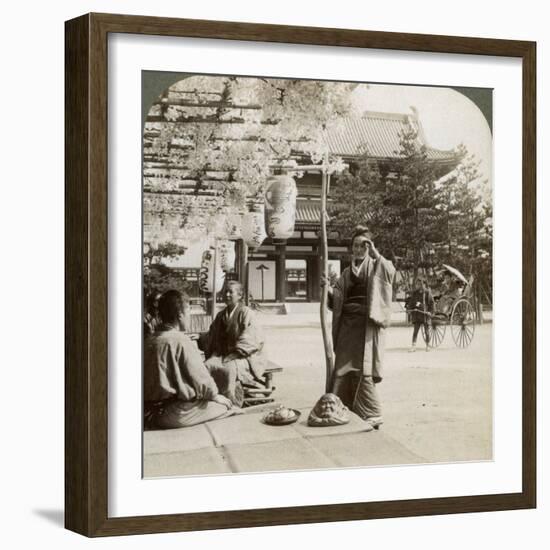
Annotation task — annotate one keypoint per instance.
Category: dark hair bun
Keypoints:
(361, 231)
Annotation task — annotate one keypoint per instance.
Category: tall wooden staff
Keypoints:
(327, 339)
(214, 282)
(244, 273)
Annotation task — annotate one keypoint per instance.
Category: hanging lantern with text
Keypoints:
(226, 252)
(253, 227)
(233, 226)
(206, 273)
(280, 201)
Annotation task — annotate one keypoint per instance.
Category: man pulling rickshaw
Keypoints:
(452, 305)
(420, 305)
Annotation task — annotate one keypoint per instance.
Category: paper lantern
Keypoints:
(280, 201)
(233, 226)
(206, 272)
(253, 228)
(226, 252)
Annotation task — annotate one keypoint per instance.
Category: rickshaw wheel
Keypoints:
(434, 333)
(462, 323)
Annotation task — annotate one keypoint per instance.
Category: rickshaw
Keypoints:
(453, 307)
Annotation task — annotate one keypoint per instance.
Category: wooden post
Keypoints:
(327, 339)
(316, 270)
(310, 278)
(262, 285)
(280, 273)
(477, 302)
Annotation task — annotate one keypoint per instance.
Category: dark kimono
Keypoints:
(420, 301)
(361, 303)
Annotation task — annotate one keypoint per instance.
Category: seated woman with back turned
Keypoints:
(178, 389)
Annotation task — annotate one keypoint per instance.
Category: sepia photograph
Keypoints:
(317, 274)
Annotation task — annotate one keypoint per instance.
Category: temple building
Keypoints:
(287, 272)
(292, 271)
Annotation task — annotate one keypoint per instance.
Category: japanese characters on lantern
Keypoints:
(227, 256)
(253, 227)
(206, 273)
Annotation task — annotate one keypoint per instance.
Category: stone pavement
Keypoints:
(437, 407)
(243, 443)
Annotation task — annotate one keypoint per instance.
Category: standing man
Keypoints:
(361, 303)
(420, 305)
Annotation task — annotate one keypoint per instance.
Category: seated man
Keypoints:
(177, 388)
(234, 347)
(450, 296)
(150, 312)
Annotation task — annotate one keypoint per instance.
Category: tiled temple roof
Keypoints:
(378, 135)
(308, 212)
(375, 133)
(171, 187)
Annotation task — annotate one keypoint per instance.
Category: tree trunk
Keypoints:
(327, 339)
(214, 282)
(478, 304)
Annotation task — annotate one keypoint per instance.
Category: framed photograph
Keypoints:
(300, 275)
